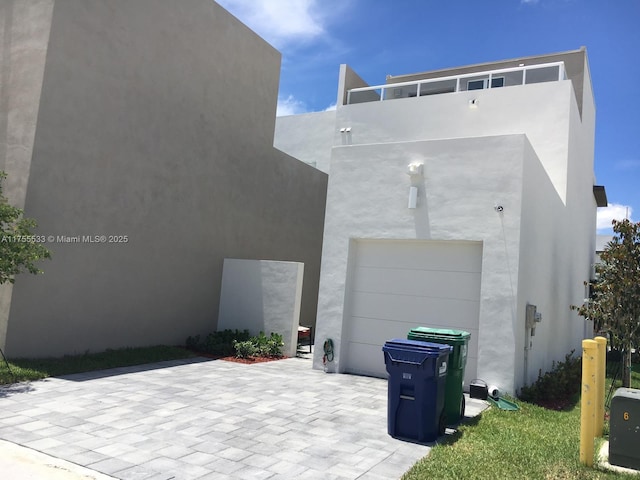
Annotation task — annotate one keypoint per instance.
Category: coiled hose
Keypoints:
(328, 351)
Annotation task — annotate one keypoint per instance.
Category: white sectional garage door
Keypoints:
(397, 285)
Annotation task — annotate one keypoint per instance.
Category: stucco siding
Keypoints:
(24, 36)
(528, 148)
(377, 209)
(543, 270)
(151, 127)
(539, 110)
(307, 136)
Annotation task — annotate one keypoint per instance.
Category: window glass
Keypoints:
(497, 82)
(546, 74)
(434, 88)
(475, 84)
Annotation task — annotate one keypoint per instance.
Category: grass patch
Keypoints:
(532, 443)
(37, 369)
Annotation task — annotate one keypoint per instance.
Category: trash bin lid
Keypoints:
(441, 334)
(414, 352)
(417, 346)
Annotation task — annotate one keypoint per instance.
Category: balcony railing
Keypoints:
(505, 77)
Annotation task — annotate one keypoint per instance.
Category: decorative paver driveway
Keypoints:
(211, 419)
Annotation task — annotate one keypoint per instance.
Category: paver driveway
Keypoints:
(211, 419)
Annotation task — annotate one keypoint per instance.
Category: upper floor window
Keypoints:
(483, 83)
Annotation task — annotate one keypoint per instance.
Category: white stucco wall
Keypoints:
(542, 274)
(539, 110)
(539, 250)
(262, 296)
(367, 198)
(307, 136)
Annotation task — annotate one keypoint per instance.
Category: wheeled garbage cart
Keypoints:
(459, 340)
(417, 379)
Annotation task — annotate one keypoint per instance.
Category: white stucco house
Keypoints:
(456, 198)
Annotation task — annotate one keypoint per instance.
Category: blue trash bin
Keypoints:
(416, 389)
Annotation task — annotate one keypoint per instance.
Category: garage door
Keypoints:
(396, 285)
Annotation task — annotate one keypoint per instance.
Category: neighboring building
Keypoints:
(150, 122)
(456, 198)
(602, 242)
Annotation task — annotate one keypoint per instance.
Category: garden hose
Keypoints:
(328, 351)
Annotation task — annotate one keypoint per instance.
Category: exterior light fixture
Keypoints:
(413, 197)
(414, 170)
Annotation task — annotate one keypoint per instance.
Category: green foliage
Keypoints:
(262, 345)
(615, 306)
(193, 342)
(218, 343)
(246, 349)
(235, 342)
(274, 345)
(561, 382)
(20, 249)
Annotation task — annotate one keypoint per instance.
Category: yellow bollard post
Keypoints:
(600, 379)
(588, 401)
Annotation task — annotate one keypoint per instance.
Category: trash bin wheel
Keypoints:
(442, 423)
(462, 405)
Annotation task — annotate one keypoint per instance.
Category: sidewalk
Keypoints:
(21, 463)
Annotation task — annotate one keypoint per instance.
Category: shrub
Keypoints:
(274, 345)
(245, 349)
(261, 342)
(230, 342)
(218, 343)
(193, 342)
(560, 383)
(260, 345)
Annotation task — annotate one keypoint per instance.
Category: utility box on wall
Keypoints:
(624, 432)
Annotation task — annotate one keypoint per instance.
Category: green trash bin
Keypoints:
(459, 340)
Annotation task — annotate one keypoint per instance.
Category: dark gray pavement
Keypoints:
(211, 419)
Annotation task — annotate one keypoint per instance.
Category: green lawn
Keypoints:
(532, 443)
(36, 369)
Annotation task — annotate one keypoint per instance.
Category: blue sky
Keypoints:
(380, 37)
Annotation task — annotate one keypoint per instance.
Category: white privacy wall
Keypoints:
(262, 296)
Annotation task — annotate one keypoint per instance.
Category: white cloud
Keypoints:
(630, 164)
(280, 22)
(289, 106)
(529, 1)
(331, 107)
(613, 211)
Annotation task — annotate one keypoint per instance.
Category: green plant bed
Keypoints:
(238, 343)
(218, 343)
(36, 369)
(558, 389)
(260, 345)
